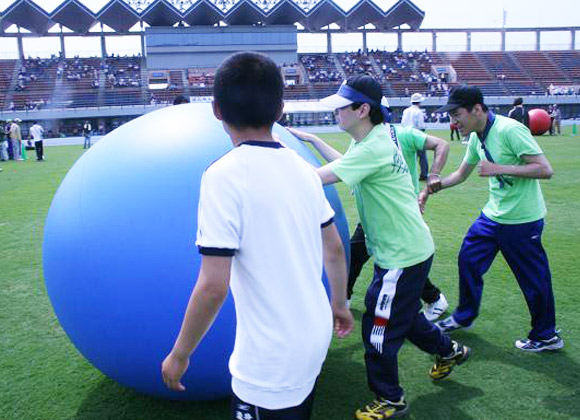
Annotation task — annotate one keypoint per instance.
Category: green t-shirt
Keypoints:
(522, 201)
(412, 141)
(374, 168)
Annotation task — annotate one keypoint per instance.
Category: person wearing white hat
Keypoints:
(413, 116)
(16, 139)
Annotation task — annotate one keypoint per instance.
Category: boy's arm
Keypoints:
(327, 176)
(536, 167)
(204, 304)
(454, 178)
(335, 266)
(440, 149)
(457, 177)
(327, 151)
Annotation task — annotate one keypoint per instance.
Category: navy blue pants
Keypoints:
(423, 164)
(359, 256)
(392, 314)
(521, 246)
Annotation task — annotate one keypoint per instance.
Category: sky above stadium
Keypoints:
(438, 14)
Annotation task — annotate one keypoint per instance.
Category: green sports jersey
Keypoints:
(374, 168)
(412, 141)
(522, 201)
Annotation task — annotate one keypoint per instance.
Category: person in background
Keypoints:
(551, 114)
(37, 134)
(16, 139)
(87, 132)
(557, 120)
(413, 116)
(180, 99)
(3, 144)
(519, 113)
(454, 131)
(6, 129)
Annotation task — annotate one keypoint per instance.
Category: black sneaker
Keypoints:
(381, 409)
(554, 343)
(444, 365)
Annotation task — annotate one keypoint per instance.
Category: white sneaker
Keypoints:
(554, 343)
(434, 310)
(450, 324)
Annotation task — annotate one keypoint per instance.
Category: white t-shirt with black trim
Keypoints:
(264, 205)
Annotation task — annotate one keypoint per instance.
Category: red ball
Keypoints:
(539, 121)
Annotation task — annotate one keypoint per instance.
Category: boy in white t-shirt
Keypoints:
(264, 223)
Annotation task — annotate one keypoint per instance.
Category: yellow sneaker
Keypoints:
(381, 409)
(444, 365)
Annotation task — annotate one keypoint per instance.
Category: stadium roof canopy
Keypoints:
(122, 15)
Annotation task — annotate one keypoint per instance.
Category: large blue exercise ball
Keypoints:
(119, 249)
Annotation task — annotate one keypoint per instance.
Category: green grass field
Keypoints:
(43, 377)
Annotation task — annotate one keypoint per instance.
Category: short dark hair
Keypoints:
(370, 87)
(248, 90)
(484, 107)
(518, 101)
(180, 99)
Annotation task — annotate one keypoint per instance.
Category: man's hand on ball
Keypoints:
(302, 135)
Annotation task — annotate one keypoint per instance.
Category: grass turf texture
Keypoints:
(43, 377)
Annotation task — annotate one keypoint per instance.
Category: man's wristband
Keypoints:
(437, 175)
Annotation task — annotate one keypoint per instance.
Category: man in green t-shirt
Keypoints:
(397, 238)
(512, 220)
(411, 140)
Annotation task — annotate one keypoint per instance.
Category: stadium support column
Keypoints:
(103, 43)
(20, 45)
(538, 40)
(434, 37)
(468, 36)
(328, 41)
(399, 39)
(142, 39)
(62, 49)
(364, 34)
(503, 40)
(573, 39)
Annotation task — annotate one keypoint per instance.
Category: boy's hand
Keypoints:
(422, 199)
(343, 322)
(434, 183)
(173, 368)
(486, 168)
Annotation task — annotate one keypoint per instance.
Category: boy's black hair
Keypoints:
(375, 114)
(248, 90)
(180, 99)
(370, 87)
